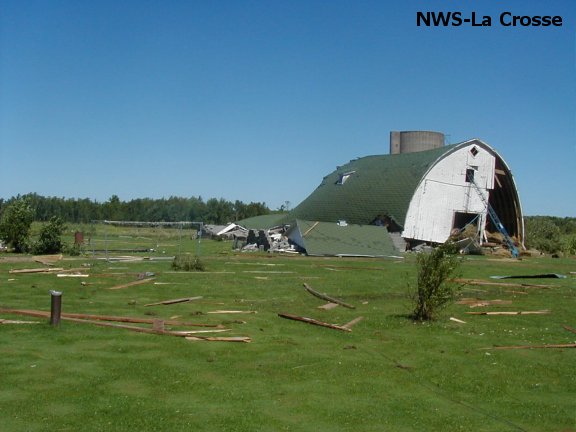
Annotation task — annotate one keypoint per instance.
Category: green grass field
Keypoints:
(387, 374)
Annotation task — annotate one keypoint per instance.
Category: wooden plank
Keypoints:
(129, 284)
(310, 229)
(503, 284)
(570, 329)
(353, 322)
(481, 303)
(457, 320)
(500, 172)
(328, 306)
(169, 302)
(532, 346)
(540, 312)
(327, 297)
(231, 312)
(133, 320)
(313, 321)
(6, 321)
(36, 270)
(498, 181)
(244, 339)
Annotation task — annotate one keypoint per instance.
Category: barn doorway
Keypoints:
(462, 219)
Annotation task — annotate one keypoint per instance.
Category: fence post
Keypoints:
(55, 307)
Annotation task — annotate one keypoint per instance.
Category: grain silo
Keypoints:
(415, 141)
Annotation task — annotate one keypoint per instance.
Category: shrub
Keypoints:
(543, 234)
(50, 240)
(188, 263)
(434, 290)
(15, 224)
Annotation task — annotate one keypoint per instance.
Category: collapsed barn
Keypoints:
(423, 191)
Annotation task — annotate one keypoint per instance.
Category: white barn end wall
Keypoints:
(443, 191)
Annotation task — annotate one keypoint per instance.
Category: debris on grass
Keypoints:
(133, 320)
(129, 284)
(73, 275)
(231, 312)
(496, 347)
(457, 320)
(169, 302)
(327, 297)
(6, 321)
(536, 276)
(540, 312)
(244, 339)
(36, 270)
(328, 306)
(314, 322)
(353, 322)
(473, 302)
(48, 260)
(501, 284)
(570, 329)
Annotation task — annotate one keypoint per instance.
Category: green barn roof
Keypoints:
(368, 187)
(331, 239)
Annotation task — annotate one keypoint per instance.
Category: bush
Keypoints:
(15, 224)
(188, 263)
(433, 290)
(543, 234)
(50, 241)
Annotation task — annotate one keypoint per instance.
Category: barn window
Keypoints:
(470, 175)
(474, 151)
(343, 177)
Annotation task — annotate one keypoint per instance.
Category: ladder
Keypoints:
(496, 220)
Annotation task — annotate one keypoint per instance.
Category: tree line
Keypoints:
(173, 209)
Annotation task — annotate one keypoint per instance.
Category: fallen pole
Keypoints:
(43, 314)
(314, 322)
(169, 302)
(327, 297)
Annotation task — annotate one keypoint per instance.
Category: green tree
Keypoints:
(434, 291)
(50, 240)
(543, 234)
(15, 224)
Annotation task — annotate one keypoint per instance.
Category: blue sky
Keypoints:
(258, 100)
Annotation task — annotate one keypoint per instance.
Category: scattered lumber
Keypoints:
(328, 306)
(313, 321)
(504, 284)
(43, 314)
(169, 302)
(72, 275)
(129, 284)
(193, 332)
(6, 321)
(36, 270)
(231, 312)
(457, 320)
(47, 259)
(473, 302)
(327, 297)
(532, 346)
(540, 312)
(570, 329)
(244, 339)
(353, 322)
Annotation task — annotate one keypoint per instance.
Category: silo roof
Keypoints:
(367, 187)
